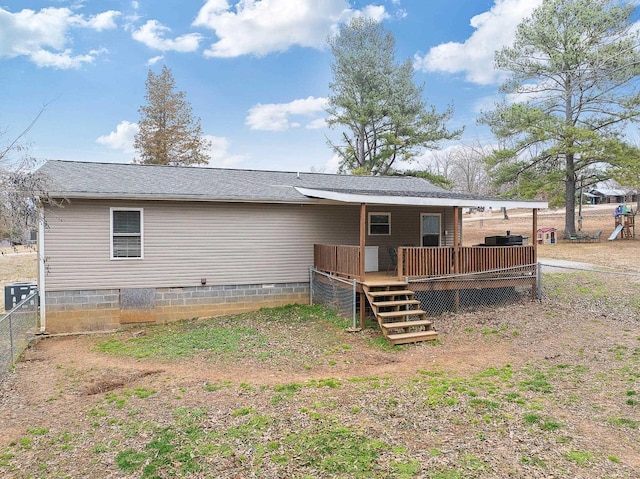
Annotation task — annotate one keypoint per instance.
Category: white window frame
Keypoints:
(121, 258)
(379, 213)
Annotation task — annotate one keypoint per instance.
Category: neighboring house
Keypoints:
(600, 195)
(142, 243)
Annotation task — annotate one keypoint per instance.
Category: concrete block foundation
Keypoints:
(108, 309)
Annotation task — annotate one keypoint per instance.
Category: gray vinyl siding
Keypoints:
(405, 229)
(225, 243)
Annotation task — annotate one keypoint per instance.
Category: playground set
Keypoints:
(624, 223)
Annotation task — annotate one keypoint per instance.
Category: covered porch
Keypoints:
(409, 251)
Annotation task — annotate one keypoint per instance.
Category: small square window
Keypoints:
(126, 233)
(379, 223)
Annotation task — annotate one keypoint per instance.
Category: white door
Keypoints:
(430, 228)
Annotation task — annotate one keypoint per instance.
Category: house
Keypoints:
(603, 195)
(143, 243)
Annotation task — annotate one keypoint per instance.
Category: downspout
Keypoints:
(41, 270)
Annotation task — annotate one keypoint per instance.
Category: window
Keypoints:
(126, 233)
(379, 223)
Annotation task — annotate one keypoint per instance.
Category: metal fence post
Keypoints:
(355, 289)
(311, 273)
(539, 274)
(11, 338)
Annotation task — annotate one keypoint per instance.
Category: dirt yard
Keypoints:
(546, 389)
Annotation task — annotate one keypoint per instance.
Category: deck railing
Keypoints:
(342, 260)
(474, 259)
(416, 262)
(442, 261)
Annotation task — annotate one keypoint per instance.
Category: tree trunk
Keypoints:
(570, 198)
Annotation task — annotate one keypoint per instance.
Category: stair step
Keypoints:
(399, 314)
(386, 282)
(406, 324)
(401, 302)
(400, 292)
(403, 338)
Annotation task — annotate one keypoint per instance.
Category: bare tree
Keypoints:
(463, 167)
(20, 187)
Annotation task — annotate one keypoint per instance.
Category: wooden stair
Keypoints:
(398, 313)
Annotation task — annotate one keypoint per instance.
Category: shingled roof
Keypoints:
(72, 179)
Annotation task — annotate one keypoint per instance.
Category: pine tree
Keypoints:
(376, 100)
(574, 71)
(169, 133)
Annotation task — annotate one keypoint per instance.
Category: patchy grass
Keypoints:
(254, 335)
(181, 340)
(286, 392)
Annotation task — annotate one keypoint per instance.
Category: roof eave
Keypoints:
(158, 197)
(421, 201)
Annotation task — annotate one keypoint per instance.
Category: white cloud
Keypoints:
(103, 21)
(375, 12)
(219, 152)
(486, 103)
(260, 27)
(154, 60)
(43, 36)
(317, 124)
(332, 165)
(493, 30)
(121, 139)
(152, 34)
(276, 116)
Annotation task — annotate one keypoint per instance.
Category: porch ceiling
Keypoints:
(417, 199)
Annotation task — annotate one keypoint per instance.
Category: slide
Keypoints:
(615, 232)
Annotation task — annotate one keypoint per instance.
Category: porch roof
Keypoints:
(413, 198)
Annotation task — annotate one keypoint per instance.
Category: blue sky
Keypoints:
(256, 72)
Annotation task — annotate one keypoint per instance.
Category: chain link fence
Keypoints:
(334, 293)
(594, 291)
(17, 329)
(470, 291)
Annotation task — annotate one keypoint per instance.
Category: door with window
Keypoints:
(430, 229)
